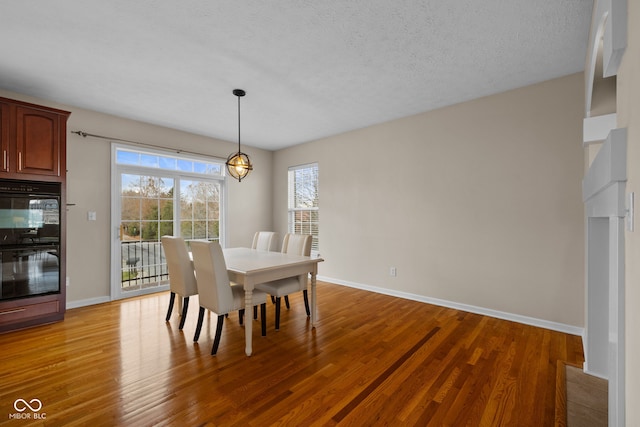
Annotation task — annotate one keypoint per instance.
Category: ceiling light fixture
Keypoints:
(238, 164)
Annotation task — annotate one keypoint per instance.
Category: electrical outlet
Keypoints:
(393, 272)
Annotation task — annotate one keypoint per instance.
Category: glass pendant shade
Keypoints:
(239, 165)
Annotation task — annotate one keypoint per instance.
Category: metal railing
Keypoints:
(143, 264)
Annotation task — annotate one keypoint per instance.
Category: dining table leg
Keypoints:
(313, 299)
(248, 325)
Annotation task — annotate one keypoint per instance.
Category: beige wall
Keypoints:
(629, 117)
(89, 187)
(479, 203)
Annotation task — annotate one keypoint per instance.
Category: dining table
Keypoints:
(249, 267)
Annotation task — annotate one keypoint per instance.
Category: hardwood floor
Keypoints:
(372, 360)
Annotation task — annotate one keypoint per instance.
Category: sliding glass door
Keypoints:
(156, 194)
(199, 209)
(146, 214)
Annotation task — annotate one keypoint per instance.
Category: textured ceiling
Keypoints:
(310, 68)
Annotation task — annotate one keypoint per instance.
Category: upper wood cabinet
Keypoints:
(33, 140)
(4, 136)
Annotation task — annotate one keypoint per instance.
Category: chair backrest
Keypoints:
(297, 244)
(213, 280)
(182, 280)
(264, 241)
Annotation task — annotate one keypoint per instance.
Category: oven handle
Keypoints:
(31, 247)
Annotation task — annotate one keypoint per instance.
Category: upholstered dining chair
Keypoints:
(264, 241)
(216, 292)
(182, 280)
(297, 244)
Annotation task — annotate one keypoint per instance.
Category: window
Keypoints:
(303, 202)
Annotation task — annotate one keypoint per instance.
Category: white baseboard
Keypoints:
(532, 321)
(554, 326)
(86, 302)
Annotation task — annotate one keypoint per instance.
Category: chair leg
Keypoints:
(273, 299)
(216, 341)
(241, 315)
(172, 298)
(286, 301)
(278, 313)
(199, 325)
(263, 318)
(255, 312)
(305, 294)
(185, 306)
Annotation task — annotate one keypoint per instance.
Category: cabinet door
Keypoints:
(4, 137)
(37, 141)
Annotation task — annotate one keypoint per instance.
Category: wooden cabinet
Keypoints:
(4, 135)
(24, 313)
(33, 144)
(33, 141)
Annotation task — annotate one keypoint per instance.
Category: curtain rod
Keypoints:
(85, 134)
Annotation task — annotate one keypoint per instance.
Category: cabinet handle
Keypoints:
(4, 160)
(13, 311)
(20, 160)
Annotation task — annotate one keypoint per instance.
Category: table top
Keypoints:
(245, 260)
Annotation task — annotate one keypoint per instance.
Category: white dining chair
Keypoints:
(182, 280)
(264, 241)
(216, 292)
(297, 244)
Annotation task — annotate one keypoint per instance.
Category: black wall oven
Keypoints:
(29, 238)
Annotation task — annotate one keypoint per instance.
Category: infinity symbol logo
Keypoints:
(21, 405)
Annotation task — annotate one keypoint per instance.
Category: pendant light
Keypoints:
(238, 164)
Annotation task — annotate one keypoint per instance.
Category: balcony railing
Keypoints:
(143, 264)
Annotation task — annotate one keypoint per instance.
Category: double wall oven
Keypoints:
(30, 218)
(33, 176)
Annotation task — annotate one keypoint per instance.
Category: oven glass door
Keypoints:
(30, 271)
(29, 243)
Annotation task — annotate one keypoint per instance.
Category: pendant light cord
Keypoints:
(239, 124)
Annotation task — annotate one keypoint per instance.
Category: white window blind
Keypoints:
(304, 214)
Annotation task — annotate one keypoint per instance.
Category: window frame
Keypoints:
(178, 175)
(292, 209)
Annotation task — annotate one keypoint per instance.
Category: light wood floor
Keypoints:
(587, 399)
(372, 360)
